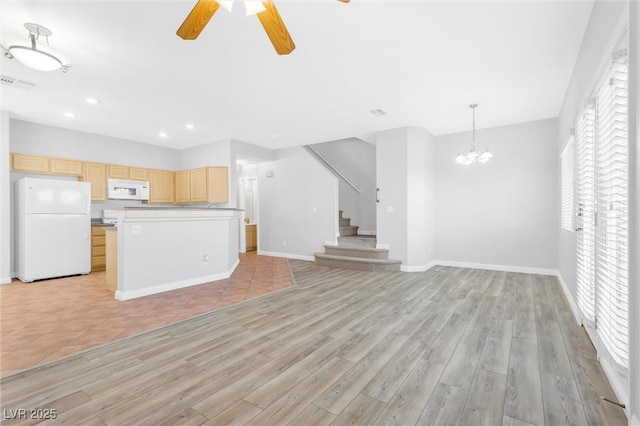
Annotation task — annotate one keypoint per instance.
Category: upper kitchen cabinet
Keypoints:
(61, 166)
(183, 186)
(161, 184)
(96, 173)
(29, 163)
(138, 173)
(209, 185)
(126, 172)
(203, 185)
(118, 172)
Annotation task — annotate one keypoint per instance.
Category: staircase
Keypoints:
(356, 251)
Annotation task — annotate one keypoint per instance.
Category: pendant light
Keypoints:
(473, 156)
(37, 56)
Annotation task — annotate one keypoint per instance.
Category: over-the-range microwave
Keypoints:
(122, 189)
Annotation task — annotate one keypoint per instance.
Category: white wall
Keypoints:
(38, 139)
(6, 204)
(405, 160)
(356, 160)
(298, 205)
(505, 212)
(391, 166)
(421, 199)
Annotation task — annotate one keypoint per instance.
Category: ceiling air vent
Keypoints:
(377, 112)
(18, 84)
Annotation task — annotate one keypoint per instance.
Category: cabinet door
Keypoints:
(96, 173)
(183, 186)
(118, 172)
(161, 186)
(29, 163)
(199, 185)
(137, 173)
(218, 184)
(59, 166)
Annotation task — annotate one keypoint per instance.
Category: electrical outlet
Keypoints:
(205, 259)
(136, 229)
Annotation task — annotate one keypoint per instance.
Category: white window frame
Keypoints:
(567, 173)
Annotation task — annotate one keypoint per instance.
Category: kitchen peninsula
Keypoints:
(166, 248)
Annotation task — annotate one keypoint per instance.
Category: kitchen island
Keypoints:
(162, 249)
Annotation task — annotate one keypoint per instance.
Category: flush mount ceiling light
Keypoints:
(36, 55)
(473, 156)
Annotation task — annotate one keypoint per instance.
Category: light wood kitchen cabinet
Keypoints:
(161, 183)
(112, 258)
(210, 185)
(202, 185)
(183, 186)
(60, 166)
(118, 172)
(138, 173)
(29, 163)
(98, 249)
(96, 173)
(252, 236)
(199, 185)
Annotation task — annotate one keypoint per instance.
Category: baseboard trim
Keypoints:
(6, 280)
(134, 294)
(504, 268)
(569, 296)
(286, 255)
(423, 268)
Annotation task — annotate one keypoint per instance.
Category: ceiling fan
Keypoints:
(268, 16)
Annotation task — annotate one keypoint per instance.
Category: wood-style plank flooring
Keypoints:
(447, 346)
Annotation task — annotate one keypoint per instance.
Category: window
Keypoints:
(567, 186)
(612, 264)
(601, 166)
(585, 213)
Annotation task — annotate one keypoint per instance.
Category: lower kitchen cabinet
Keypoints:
(98, 249)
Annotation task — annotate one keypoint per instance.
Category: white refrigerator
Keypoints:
(53, 228)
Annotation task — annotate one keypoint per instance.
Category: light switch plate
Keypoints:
(136, 229)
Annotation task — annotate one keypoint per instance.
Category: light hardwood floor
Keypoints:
(448, 346)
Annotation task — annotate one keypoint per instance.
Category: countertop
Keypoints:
(183, 208)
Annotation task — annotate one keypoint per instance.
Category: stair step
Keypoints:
(366, 241)
(345, 221)
(357, 263)
(340, 212)
(348, 230)
(363, 252)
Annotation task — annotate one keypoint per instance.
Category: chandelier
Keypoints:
(474, 155)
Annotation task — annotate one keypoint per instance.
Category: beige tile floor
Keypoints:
(46, 320)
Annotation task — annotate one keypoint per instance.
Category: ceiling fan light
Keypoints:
(254, 7)
(226, 4)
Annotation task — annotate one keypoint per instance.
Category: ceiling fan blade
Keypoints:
(275, 29)
(197, 19)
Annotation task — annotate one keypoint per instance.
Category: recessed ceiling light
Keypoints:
(92, 101)
(162, 134)
(189, 126)
(69, 114)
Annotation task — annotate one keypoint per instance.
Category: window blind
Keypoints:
(611, 260)
(567, 160)
(585, 212)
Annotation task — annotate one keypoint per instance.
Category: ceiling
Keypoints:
(421, 62)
